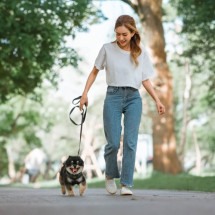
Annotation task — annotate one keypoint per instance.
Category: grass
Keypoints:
(158, 181)
(169, 182)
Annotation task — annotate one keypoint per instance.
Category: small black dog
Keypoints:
(71, 174)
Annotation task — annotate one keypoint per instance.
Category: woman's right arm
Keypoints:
(91, 78)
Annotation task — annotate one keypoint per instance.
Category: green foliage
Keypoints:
(199, 29)
(27, 124)
(3, 160)
(33, 40)
(33, 46)
(194, 56)
(198, 18)
(21, 119)
(207, 137)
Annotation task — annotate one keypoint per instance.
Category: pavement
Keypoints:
(31, 201)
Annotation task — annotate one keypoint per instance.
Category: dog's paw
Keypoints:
(71, 193)
(82, 189)
(63, 190)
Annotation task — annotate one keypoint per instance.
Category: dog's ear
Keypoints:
(68, 160)
(81, 161)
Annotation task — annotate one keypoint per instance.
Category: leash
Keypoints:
(83, 117)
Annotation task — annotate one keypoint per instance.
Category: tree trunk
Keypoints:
(11, 165)
(164, 142)
(198, 161)
(186, 101)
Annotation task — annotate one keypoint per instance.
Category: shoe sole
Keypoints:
(126, 194)
(111, 193)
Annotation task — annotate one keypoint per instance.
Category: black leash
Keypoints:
(83, 116)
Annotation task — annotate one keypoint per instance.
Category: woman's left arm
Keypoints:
(149, 88)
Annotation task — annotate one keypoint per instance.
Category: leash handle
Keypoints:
(83, 113)
(76, 101)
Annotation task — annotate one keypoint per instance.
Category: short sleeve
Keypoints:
(100, 60)
(148, 70)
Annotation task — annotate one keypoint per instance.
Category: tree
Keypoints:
(164, 142)
(33, 46)
(199, 30)
(198, 44)
(22, 121)
(33, 43)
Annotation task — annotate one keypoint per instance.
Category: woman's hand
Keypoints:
(83, 101)
(160, 108)
(148, 86)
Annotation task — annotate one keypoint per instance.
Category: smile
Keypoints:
(74, 170)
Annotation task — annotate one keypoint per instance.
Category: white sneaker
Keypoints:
(125, 191)
(111, 186)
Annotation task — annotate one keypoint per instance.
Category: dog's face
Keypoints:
(74, 165)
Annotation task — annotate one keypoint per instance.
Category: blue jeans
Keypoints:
(118, 101)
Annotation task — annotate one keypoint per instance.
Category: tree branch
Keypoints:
(133, 6)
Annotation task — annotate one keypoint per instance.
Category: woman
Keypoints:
(127, 67)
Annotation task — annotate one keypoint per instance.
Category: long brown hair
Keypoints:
(129, 23)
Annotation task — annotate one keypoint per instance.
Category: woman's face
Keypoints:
(123, 37)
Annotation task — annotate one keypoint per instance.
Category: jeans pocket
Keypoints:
(112, 90)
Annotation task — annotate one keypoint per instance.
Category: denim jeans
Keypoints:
(118, 101)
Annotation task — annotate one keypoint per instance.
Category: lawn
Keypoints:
(169, 182)
(158, 181)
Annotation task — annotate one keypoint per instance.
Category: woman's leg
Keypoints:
(112, 115)
(132, 117)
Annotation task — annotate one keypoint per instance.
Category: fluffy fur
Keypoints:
(71, 173)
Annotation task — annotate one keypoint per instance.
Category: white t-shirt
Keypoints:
(121, 71)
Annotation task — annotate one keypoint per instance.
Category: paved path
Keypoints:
(16, 201)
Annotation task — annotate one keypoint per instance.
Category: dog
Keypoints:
(71, 173)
